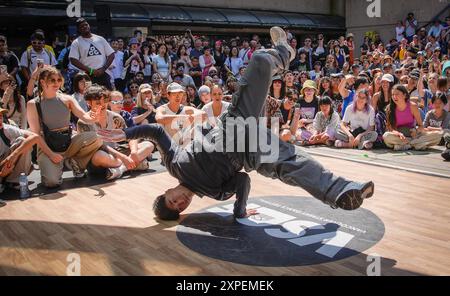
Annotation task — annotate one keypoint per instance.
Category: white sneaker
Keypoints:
(402, 147)
(113, 173)
(279, 38)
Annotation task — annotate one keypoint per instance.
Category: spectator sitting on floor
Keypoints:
(144, 112)
(116, 106)
(121, 157)
(217, 107)
(325, 124)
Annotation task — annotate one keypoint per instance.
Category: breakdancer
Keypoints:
(218, 174)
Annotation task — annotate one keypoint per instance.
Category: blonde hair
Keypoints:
(116, 94)
(139, 98)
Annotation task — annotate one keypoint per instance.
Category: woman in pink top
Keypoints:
(403, 117)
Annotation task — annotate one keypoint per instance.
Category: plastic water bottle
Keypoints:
(24, 190)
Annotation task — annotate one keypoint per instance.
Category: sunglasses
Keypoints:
(59, 80)
(134, 87)
(116, 102)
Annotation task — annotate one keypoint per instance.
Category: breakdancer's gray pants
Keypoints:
(291, 167)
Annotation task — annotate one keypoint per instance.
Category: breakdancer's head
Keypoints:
(169, 205)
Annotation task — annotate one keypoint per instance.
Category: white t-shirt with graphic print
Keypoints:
(91, 52)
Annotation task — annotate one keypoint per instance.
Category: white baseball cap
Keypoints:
(387, 77)
(174, 87)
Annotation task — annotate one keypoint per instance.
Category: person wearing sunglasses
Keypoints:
(60, 146)
(36, 56)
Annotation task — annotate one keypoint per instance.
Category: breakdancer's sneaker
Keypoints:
(279, 38)
(354, 194)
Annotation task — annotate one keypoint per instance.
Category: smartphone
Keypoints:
(40, 62)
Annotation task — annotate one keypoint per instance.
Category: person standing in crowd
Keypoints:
(233, 63)
(162, 63)
(349, 43)
(218, 55)
(185, 79)
(308, 49)
(410, 26)
(184, 58)
(35, 56)
(12, 101)
(133, 60)
(319, 52)
(206, 61)
(404, 124)
(197, 51)
(217, 107)
(117, 66)
(92, 54)
(68, 70)
(243, 52)
(436, 29)
(400, 31)
(196, 72)
(8, 58)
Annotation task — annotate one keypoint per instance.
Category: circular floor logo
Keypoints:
(289, 231)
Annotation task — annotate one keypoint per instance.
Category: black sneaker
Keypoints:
(354, 194)
(446, 154)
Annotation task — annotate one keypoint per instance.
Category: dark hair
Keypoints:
(366, 93)
(162, 211)
(442, 82)
(95, 92)
(441, 96)
(78, 77)
(179, 50)
(137, 31)
(392, 106)
(282, 92)
(37, 36)
(326, 100)
(79, 21)
(180, 65)
(381, 104)
(359, 81)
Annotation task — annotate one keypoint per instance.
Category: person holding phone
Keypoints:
(36, 56)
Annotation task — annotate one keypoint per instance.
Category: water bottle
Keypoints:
(24, 190)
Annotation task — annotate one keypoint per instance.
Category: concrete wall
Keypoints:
(357, 21)
(306, 6)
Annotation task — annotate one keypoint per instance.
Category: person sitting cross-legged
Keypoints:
(114, 159)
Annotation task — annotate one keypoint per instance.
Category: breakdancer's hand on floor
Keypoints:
(115, 135)
(251, 212)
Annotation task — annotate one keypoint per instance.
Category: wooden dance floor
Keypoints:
(112, 230)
